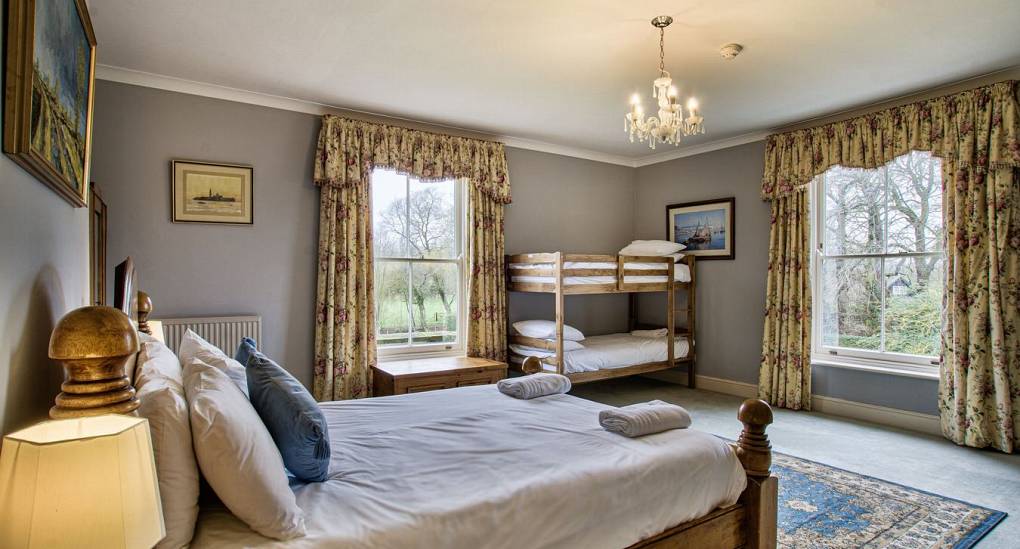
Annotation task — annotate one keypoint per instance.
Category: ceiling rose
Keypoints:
(670, 125)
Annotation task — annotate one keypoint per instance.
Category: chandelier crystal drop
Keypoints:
(670, 125)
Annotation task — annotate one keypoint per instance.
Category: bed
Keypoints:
(606, 352)
(471, 467)
(605, 357)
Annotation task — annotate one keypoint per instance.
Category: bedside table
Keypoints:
(430, 374)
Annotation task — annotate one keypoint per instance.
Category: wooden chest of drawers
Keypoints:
(430, 374)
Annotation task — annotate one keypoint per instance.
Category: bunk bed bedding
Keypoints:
(607, 352)
(681, 273)
(490, 471)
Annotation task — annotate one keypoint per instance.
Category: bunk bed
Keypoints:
(562, 274)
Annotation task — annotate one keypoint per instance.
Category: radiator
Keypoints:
(224, 332)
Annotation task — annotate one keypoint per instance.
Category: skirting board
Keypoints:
(903, 419)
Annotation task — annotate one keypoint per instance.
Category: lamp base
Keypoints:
(95, 387)
(125, 407)
(95, 398)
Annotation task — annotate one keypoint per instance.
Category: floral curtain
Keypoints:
(486, 329)
(785, 376)
(348, 150)
(975, 133)
(345, 313)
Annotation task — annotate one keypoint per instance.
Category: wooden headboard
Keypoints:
(125, 289)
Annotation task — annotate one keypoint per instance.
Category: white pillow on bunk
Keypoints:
(652, 247)
(546, 329)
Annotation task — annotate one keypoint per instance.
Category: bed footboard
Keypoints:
(761, 496)
(751, 523)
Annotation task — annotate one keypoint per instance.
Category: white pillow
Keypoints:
(155, 361)
(193, 346)
(237, 455)
(546, 329)
(652, 247)
(164, 405)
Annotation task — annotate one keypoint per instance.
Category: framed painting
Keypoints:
(705, 227)
(50, 80)
(205, 192)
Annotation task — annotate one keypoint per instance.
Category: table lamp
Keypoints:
(94, 345)
(86, 482)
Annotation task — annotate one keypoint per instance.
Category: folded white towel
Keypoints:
(661, 332)
(534, 385)
(644, 418)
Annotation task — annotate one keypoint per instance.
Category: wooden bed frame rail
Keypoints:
(553, 265)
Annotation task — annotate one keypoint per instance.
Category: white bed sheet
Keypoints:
(606, 352)
(473, 468)
(681, 273)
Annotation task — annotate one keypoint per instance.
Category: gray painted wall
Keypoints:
(43, 274)
(570, 205)
(269, 268)
(731, 294)
(200, 270)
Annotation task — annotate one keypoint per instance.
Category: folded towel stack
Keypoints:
(644, 418)
(534, 385)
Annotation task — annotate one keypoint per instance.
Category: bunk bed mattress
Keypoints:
(607, 352)
(473, 468)
(681, 273)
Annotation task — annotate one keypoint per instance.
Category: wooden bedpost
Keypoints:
(144, 310)
(761, 495)
(560, 314)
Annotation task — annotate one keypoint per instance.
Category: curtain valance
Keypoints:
(348, 149)
(977, 128)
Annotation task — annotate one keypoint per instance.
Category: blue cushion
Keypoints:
(290, 413)
(245, 350)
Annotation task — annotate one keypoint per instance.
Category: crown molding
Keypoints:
(226, 93)
(703, 148)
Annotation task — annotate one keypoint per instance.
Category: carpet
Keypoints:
(822, 506)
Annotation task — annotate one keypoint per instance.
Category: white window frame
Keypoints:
(459, 345)
(919, 366)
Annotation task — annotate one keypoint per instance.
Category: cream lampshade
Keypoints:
(156, 326)
(88, 482)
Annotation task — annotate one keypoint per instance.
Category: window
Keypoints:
(418, 239)
(878, 264)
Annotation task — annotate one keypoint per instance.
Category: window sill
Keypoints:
(876, 367)
(395, 356)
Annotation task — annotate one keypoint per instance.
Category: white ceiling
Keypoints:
(561, 71)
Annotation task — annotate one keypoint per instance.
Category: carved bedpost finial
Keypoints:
(753, 448)
(144, 310)
(531, 365)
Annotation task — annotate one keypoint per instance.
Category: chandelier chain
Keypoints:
(662, 51)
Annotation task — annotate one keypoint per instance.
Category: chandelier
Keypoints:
(670, 125)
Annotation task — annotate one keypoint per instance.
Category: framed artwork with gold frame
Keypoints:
(207, 192)
(50, 82)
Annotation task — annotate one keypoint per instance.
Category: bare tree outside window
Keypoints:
(418, 259)
(880, 258)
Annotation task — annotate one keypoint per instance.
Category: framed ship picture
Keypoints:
(705, 227)
(205, 192)
(49, 85)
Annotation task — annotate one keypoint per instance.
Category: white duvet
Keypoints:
(473, 468)
(681, 273)
(606, 352)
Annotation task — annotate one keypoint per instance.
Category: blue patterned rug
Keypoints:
(822, 506)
